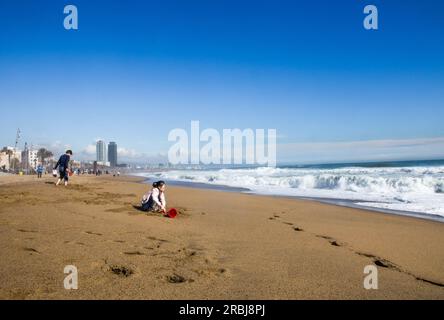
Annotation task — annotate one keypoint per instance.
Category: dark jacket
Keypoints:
(63, 163)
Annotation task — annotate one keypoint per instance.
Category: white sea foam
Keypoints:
(411, 189)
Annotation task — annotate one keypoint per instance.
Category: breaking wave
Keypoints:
(411, 189)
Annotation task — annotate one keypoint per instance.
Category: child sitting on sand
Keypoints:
(154, 201)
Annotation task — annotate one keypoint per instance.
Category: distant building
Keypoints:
(7, 157)
(31, 158)
(4, 161)
(112, 154)
(101, 151)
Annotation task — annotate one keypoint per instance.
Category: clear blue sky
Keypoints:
(137, 69)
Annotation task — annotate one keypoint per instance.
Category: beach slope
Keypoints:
(223, 245)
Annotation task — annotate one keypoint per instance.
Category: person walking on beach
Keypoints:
(63, 165)
(154, 201)
(39, 171)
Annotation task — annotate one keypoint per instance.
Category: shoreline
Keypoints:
(331, 201)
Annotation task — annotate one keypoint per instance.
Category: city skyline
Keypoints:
(87, 155)
(107, 154)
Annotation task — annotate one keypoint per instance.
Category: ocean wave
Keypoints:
(416, 189)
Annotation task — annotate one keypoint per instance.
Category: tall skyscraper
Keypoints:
(101, 151)
(112, 154)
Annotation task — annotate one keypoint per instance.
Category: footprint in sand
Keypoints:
(121, 271)
(23, 230)
(157, 239)
(221, 270)
(335, 243)
(191, 254)
(276, 217)
(324, 237)
(430, 282)
(332, 241)
(134, 253)
(94, 233)
(32, 250)
(175, 278)
(383, 263)
(209, 272)
(379, 261)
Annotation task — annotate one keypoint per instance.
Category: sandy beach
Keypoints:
(223, 245)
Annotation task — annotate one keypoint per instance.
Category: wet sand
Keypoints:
(223, 245)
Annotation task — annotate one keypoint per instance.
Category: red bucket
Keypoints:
(172, 213)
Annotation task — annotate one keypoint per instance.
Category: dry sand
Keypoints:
(223, 245)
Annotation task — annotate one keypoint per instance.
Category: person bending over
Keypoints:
(63, 165)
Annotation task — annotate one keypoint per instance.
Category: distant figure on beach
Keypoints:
(63, 165)
(154, 201)
(39, 171)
